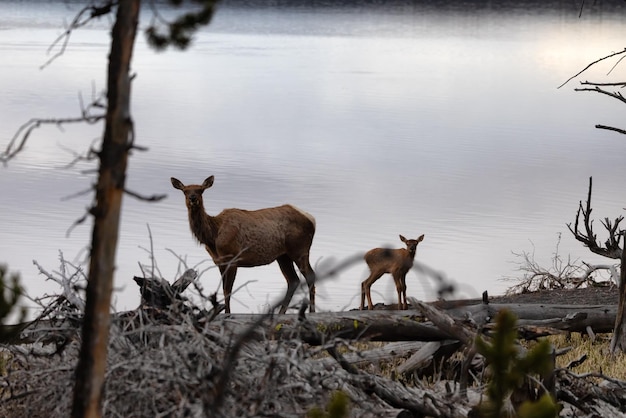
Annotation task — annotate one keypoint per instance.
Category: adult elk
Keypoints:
(242, 238)
(397, 262)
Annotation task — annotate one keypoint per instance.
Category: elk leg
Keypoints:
(288, 270)
(362, 296)
(405, 304)
(398, 282)
(228, 279)
(309, 274)
(366, 289)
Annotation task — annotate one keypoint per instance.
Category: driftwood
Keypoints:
(430, 355)
(378, 325)
(284, 365)
(533, 320)
(387, 352)
(158, 293)
(385, 325)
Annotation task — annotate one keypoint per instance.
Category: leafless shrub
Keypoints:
(160, 368)
(185, 362)
(561, 274)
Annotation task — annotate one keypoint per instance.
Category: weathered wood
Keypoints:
(378, 325)
(385, 353)
(158, 293)
(425, 356)
(399, 396)
(454, 327)
(534, 321)
(573, 318)
(320, 327)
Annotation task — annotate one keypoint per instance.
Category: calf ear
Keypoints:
(177, 183)
(402, 238)
(421, 238)
(208, 182)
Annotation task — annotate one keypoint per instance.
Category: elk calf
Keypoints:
(243, 238)
(397, 262)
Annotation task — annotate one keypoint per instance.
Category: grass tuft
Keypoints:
(598, 360)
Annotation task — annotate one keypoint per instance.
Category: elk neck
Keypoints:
(203, 226)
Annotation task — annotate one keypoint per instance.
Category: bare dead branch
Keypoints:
(621, 84)
(76, 223)
(611, 247)
(18, 142)
(158, 293)
(562, 274)
(78, 194)
(614, 234)
(616, 64)
(87, 114)
(153, 198)
(82, 18)
(591, 65)
(66, 280)
(612, 128)
(615, 95)
(580, 12)
(90, 155)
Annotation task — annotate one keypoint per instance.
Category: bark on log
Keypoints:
(424, 357)
(158, 293)
(454, 327)
(321, 327)
(398, 396)
(385, 353)
(572, 318)
(535, 320)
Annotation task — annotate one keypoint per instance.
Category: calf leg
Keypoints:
(366, 289)
(403, 284)
(400, 282)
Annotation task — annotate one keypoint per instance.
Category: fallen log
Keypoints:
(533, 320)
(378, 325)
(386, 352)
(428, 354)
(571, 318)
(158, 293)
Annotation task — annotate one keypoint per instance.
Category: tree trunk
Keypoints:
(117, 141)
(618, 341)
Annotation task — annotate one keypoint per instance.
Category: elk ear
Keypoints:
(208, 182)
(402, 238)
(421, 238)
(177, 183)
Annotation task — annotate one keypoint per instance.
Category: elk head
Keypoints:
(193, 192)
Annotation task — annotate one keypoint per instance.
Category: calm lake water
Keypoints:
(406, 119)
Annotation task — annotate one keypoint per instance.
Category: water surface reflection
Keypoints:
(379, 121)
